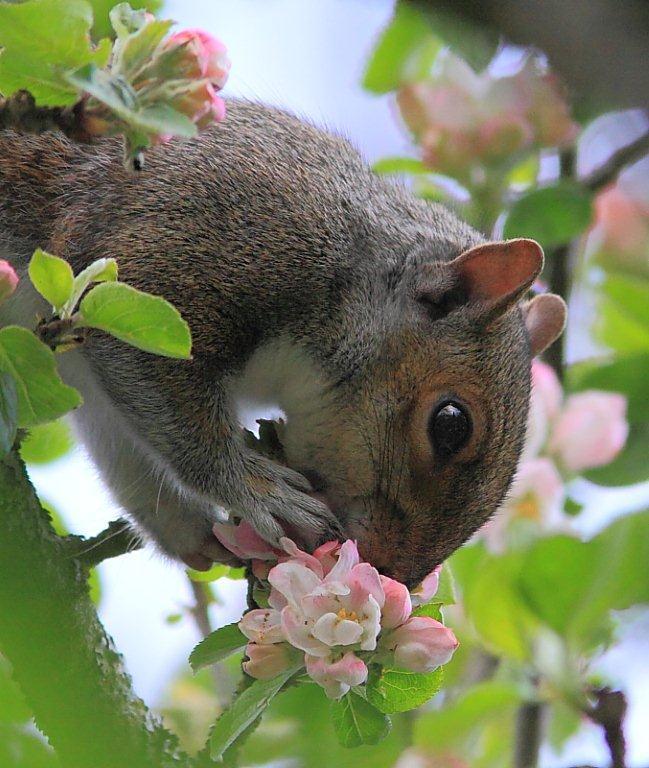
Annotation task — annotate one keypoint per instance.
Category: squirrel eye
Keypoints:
(449, 428)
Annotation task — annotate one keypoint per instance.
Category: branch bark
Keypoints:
(610, 170)
(529, 734)
(62, 658)
(19, 112)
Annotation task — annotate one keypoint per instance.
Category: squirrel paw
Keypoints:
(277, 503)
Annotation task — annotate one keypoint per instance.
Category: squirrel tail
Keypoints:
(33, 174)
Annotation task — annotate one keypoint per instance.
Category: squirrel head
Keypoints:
(421, 447)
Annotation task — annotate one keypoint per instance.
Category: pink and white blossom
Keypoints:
(336, 677)
(591, 430)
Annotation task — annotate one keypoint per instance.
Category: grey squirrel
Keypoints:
(396, 341)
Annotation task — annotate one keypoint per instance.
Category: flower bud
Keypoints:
(199, 56)
(336, 677)
(8, 280)
(398, 606)
(421, 644)
(591, 430)
(267, 661)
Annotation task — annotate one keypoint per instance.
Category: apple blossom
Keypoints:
(337, 677)
(203, 56)
(462, 118)
(267, 661)
(421, 644)
(620, 237)
(590, 431)
(8, 280)
(423, 592)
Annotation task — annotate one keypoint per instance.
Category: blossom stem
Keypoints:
(19, 112)
(529, 734)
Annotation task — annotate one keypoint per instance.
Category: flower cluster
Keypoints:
(463, 119)
(8, 280)
(565, 436)
(161, 81)
(339, 613)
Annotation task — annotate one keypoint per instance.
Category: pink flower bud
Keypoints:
(421, 644)
(336, 677)
(244, 541)
(267, 661)
(204, 56)
(591, 430)
(423, 592)
(200, 102)
(398, 606)
(8, 280)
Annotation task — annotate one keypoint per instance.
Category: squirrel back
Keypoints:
(293, 262)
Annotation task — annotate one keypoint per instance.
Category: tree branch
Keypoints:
(608, 712)
(20, 113)
(62, 658)
(118, 538)
(609, 171)
(529, 734)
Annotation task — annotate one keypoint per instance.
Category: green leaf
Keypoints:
(136, 49)
(52, 277)
(573, 585)
(630, 466)
(552, 215)
(405, 52)
(42, 396)
(244, 710)
(623, 319)
(41, 40)
(100, 271)
(410, 165)
(46, 442)
(395, 690)
(217, 571)
(493, 601)
(144, 321)
(101, 9)
(118, 96)
(357, 722)
(218, 646)
(626, 374)
(8, 412)
(451, 725)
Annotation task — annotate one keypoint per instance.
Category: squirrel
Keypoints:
(395, 338)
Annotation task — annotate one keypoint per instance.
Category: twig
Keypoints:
(529, 734)
(116, 539)
(199, 611)
(609, 171)
(608, 712)
(20, 113)
(559, 269)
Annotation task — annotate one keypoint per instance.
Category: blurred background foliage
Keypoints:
(496, 134)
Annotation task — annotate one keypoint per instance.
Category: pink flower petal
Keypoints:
(293, 580)
(398, 605)
(243, 541)
(364, 580)
(421, 644)
(332, 630)
(8, 280)
(347, 559)
(336, 677)
(297, 630)
(425, 591)
(296, 554)
(262, 626)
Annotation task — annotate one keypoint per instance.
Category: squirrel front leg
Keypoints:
(177, 418)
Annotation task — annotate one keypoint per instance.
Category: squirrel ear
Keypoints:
(545, 318)
(496, 274)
